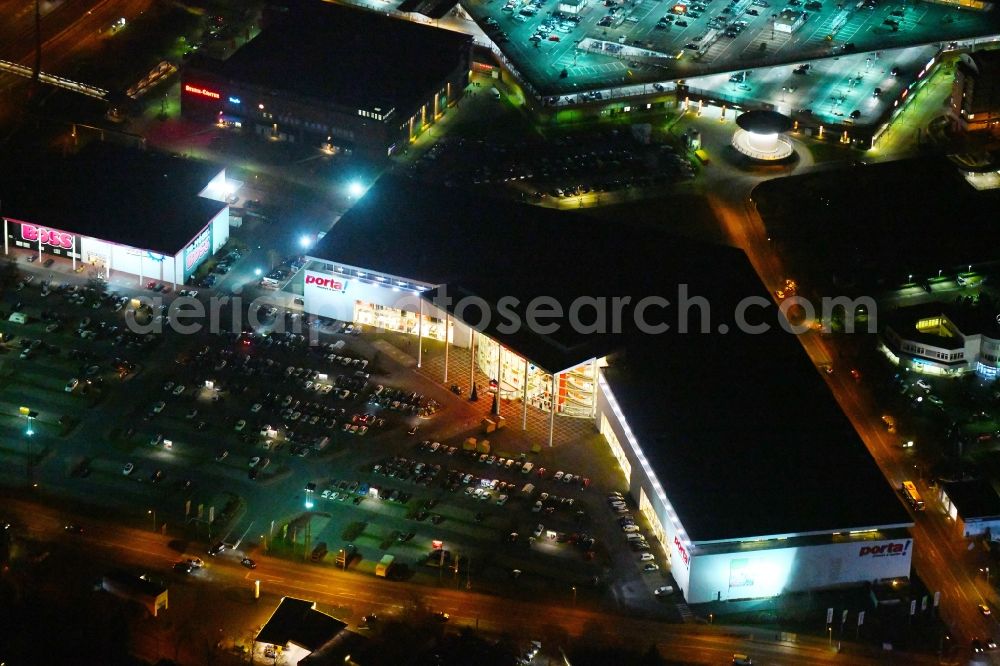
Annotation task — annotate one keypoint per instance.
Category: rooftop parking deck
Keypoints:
(827, 91)
(624, 43)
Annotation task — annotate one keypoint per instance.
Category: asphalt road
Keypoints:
(693, 644)
(68, 27)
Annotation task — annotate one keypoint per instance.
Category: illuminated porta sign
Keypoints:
(682, 551)
(197, 250)
(203, 92)
(885, 550)
(326, 282)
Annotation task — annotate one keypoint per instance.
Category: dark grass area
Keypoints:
(687, 215)
(875, 225)
(126, 57)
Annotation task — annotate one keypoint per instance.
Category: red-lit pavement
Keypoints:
(357, 594)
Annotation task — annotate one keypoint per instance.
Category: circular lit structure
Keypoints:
(759, 136)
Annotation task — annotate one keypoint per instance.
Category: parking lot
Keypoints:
(649, 41)
(593, 164)
(295, 434)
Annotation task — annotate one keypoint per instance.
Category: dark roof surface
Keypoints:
(297, 621)
(971, 319)
(868, 225)
(495, 248)
(134, 584)
(986, 71)
(747, 441)
(762, 121)
(974, 499)
(347, 56)
(740, 429)
(141, 198)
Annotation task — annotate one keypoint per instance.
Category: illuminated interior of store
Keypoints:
(575, 390)
(402, 321)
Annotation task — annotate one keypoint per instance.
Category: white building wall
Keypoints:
(752, 573)
(677, 547)
(763, 573)
(125, 259)
(334, 295)
(220, 229)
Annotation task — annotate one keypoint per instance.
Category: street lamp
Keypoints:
(574, 595)
(152, 512)
(258, 272)
(355, 188)
(305, 241)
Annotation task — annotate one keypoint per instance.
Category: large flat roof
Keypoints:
(746, 439)
(740, 429)
(974, 499)
(868, 225)
(494, 248)
(140, 198)
(346, 56)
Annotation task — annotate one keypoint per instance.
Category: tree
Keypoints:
(98, 285)
(10, 274)
(652, 657)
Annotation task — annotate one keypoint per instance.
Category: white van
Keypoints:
(18, 318)
(742, 660)
(495, 93)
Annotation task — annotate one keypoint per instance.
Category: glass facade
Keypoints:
(402, 321)
(616, 448)
(647, 510)
(575, 391)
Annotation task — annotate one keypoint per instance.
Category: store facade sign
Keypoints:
(682, 551)
(884, 550)
(33, 234)
(203, 92)
(199, 248)
(52, 241)
(325, 282)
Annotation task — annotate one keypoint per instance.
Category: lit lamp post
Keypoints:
(29, 431)
(574, 595)
(152, 512)
(355, 189)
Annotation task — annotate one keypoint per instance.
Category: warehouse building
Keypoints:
(750, 493)
(110, 208)
(974, 506)
(334, 76)
(944, 339)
